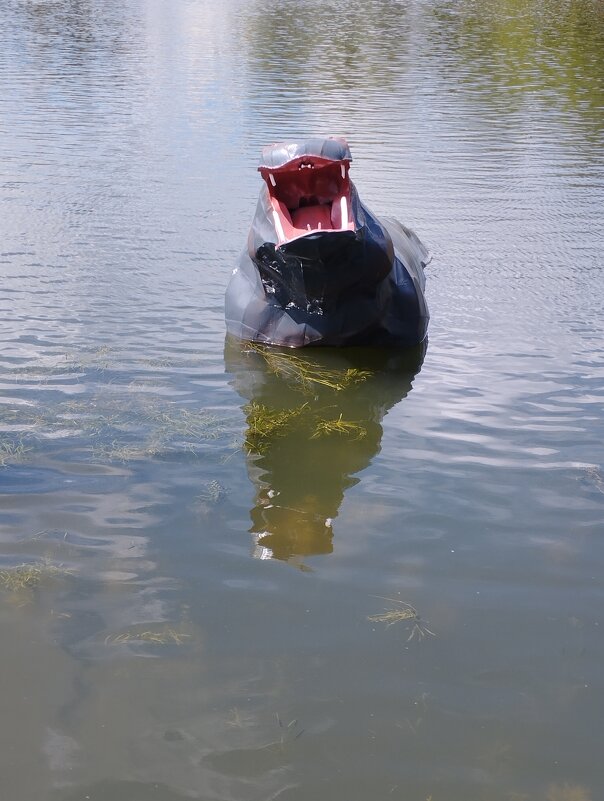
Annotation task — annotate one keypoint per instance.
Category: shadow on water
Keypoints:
(313, 423)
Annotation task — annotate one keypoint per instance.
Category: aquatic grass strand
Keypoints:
(11, 452)
(348, 428)
(28, 576)
(265, 423)
(403, 612)
(299, 370)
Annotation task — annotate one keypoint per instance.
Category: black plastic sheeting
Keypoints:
(361, 287)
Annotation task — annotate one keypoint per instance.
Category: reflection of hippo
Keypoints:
(320, 268)
(302, 468)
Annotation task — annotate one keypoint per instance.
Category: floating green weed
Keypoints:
(123, 425)
(194, 424)
(265, 423)
(125, 452)
(150, 637)
(25, 576)
(149, 428)
(11, 451)
(326, 428)
(301, 371)
(402, 613)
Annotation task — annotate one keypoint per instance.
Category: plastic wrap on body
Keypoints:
(320, 268)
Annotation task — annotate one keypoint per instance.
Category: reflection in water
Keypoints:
(346, 61)
(314, 422)
(518, 51)
(502, 53)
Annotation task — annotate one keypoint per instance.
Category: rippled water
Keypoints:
(185, 607)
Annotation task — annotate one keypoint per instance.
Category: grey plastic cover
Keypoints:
(334, 148)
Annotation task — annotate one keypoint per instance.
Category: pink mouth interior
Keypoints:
(309, 194)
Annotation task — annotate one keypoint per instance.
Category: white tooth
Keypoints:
(278, 226)
(344, 209)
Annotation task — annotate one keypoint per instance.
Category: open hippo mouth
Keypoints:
(320, 249)
(308, 194)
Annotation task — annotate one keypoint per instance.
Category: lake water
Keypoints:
(411, 609)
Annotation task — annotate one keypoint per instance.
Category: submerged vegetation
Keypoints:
(117, 417)
(402, 613)
(213, 493)
(150, 637)
(264, 424)
(568, 792)
(22, 577)
(11, 452)
(191, 424)
(126, 424)
(592, 477)
(319, 384)
(135, 421)
(123, 452)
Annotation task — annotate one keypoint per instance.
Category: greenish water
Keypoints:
(359, 576)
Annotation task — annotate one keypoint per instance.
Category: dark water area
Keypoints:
(409, 608)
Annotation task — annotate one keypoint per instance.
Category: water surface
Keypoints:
(196, 616)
